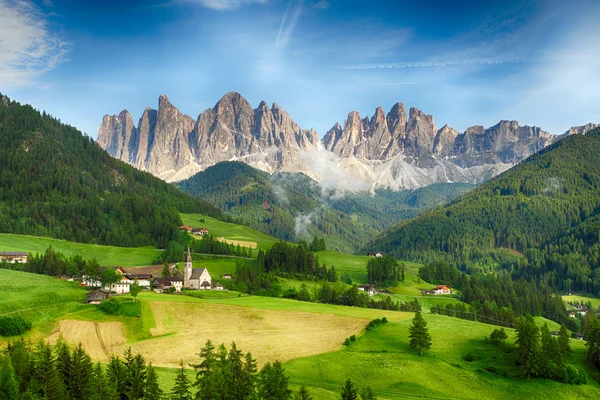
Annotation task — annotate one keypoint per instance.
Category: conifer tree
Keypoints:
(100, 386)
(302, 394)
(80, 371)
(272, 383)
(63, 361)
(9, 389)
(46, 374)
(117, 373)
(349, 391)
(528, 338)
(419, 334)
(153, 390)
(564, 342)
(181, 390)
(367, 393)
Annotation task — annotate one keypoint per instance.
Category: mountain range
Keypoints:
(397, 150)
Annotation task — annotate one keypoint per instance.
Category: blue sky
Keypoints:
(465, 62)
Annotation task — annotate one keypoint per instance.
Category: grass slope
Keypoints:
(229, 230)
(105, 255)
(383, 360)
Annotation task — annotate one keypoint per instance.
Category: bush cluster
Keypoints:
(376, 322)
(13, 326)
(110, 306)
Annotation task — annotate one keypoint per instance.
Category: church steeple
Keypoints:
(187, 269)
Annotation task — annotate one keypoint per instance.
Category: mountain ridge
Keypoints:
(394, 150)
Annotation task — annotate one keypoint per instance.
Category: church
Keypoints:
(198, 278)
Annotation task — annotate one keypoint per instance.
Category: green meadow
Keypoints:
(229, 230)
(584, 299)
(105, 255)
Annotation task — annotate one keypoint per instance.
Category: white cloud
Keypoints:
(48, 3)
(290, 19)
(28, 48)
(224, 5)
(322, 5)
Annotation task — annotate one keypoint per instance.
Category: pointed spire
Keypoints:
(188, 257)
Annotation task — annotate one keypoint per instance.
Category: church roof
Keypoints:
(197, 272)
(188, 257)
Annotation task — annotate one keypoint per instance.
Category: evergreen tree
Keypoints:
(419, 334)
(367, 394)
(551, 360)
(63, 361)
(153, 390)
(117, 373)
(564, 342)
(100, 386)
(135, 367)
(22, 362)
(181, 390)
(302, 394)
(46, 374)
(272, 383)
(349, 391)
(9, 388)
(528, 338)
(80, 372)
(165, 271)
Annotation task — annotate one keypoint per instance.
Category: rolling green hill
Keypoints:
(56, 182)
(293, 207)
(542, 216)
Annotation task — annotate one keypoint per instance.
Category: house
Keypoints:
(227, 276)
(13, 257)
(162, 285)
(186, 228)
(376, 254)
(121, 287)
(96, 296)
(369, 289)
(143, 280)
(442, 289)
(218, 286)
(572, 314)
(200, 231)
(555, 333)
(195, 278)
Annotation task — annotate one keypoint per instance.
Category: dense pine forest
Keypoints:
(57, 182)
(291, 206)
(540, 220)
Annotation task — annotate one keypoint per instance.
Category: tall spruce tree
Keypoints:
(101, 387)
(181, 390)
(153, 390)
(117, 373)
(272, 383)
(46, 374)
(419, 334)
(302, 394)
(80, 372)
(528, 339)
(9, 388)
(349, 391)
(564, 342)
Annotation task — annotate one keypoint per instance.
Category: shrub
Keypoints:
(353, 338)
(384, 320)
(469, 358)
(498, 336)
(13, 326)
(491, 369)
(347, 342)
(110, 306)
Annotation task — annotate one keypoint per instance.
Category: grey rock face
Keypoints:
(174, 146)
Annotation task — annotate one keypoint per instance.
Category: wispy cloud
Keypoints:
(48, 3)
(28, 47)
(290, 19)
(322, 5)
(224, 5)
(432, 64)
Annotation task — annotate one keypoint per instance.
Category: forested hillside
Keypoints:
(54, 181)
(541, 218)
(291, 206)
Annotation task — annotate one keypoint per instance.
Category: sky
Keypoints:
(465, 62)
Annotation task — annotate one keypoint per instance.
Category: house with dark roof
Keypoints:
(369, 289)
(200, 231)
(96, 296)
(377, 254)
(163, 285)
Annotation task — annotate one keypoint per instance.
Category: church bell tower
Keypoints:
(187, 269)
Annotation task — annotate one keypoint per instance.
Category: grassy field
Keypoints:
(383, 360)
(105, 255)
(585, 299)
(229, 231)
(217, 266)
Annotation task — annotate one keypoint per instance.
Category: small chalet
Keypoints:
(226, 276)
(369, 289)
(121, 287)
(96, 296)
(13, 257)
(376, 254)
(200, 231)
(442, 289)
(218, 286)
(186, 228)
